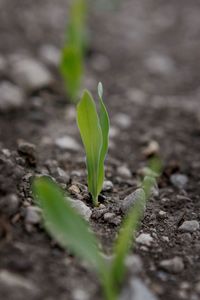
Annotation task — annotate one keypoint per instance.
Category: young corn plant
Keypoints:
(69, 229)
(94, 131)
(72, 55)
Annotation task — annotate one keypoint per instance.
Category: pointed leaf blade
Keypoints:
(64, 224)
(105, 125)
(91, 134)
(125, 237)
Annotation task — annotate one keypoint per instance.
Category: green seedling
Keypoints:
(94, 132)
(72, 232)
(72, 56)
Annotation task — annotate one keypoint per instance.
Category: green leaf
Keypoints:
(105, 124)
(125, 238)
(76, 31)
(64, 224)
(71, 68)
(91, 134)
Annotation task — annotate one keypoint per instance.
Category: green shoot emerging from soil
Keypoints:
(94, 132)
(69, 229)
(72, 56)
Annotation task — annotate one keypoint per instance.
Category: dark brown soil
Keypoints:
(160, 98)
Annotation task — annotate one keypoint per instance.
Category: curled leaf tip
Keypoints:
(100, 89)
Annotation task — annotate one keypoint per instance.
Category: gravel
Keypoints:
(50, 55)
(29, 150)
(30, 74)
(107, 186)
(144, 239)
(67, 143)
(189, 226)
(33, 215)
(174, 265)
(131, 199)
(11, 97)
(81, 208)
(179, 180)
(124, 172)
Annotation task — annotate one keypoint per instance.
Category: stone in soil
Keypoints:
(29, 150)
(179, 180)
(30, 74)
(107, 186)
(137, 290)
(9, 204)
(50, 55)
(33, 215)
(80, 294)
(152, 149)
(174, 265)
(17, 283)
(124, 172)
(122, 120)
(67, 143)
(159, 64)
(81, 208)
(11, 97)
(131, 199)
(144, 239)
(189, 226)
(112, 218)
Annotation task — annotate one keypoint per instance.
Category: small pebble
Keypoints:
(144, 239)
(12, 97)
(9, 204)
(80, 294)
(50, 55)
(63, 177)
(107, 186)
(123, 120)
(112, 218)
(174, 265)
(152, 149)
(131, 199)
(159, 64)
(137, 96)
(179, 180)
(165, 239)
(124, 172)
(74, 189)
(81, 208)
(29, 150)
(15, 281)
(30, 74)
(33, 215)
(67, 143)
(162, 214)
(189, 226)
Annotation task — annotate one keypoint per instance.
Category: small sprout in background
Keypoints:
(69, 229)
(94, 131)
(72, 56)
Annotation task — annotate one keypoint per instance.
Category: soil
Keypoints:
(147, 55)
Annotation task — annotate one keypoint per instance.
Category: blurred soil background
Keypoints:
(147, 54)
